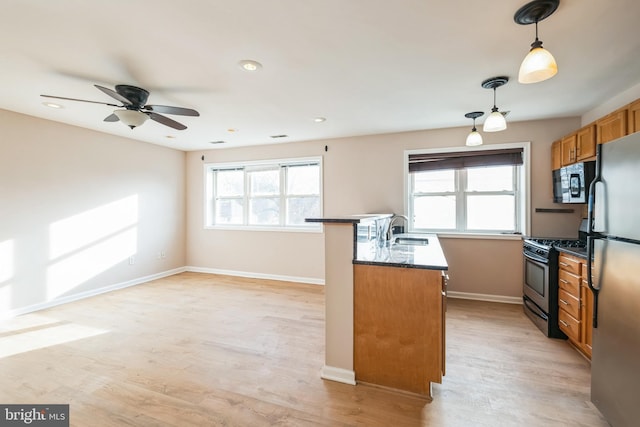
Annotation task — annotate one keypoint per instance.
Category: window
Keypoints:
(275, 194)
(479, 191)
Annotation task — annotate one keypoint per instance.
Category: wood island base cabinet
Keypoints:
(399, 328)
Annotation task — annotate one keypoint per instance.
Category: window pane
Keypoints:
(264, 182)
(491, 212)
(303, 180)
(434, 181)
(435, 212)
(498, 178)
(229, 183)
(299, 208)
(228, 211)
(264, 211)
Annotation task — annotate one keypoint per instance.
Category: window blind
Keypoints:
(465, 159)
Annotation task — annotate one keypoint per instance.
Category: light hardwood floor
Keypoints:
(205, 350)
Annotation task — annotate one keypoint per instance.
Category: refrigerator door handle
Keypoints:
(592, 190)
(596, 290)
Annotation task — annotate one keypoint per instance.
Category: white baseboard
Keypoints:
(485, 297)
(87, 294)
(309, 280)
(338, 374)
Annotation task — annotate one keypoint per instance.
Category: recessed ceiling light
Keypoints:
(279, 136)
(319, 119)
(250, 65)
(51, 105)
(216, 142)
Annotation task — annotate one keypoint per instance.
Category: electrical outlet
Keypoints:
(132, 260)
(163, 254)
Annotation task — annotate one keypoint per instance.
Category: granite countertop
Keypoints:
(579, 252)
(349, 219)
(429, 256)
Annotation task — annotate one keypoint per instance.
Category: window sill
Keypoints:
(315, 229)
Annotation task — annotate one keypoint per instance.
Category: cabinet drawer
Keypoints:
(569, 325)
(569, 303)
(569, 282)
(573, 265)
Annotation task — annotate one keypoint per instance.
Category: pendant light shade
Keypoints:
(539, 65)
(131, 118)
(496, 121)
(474, 138)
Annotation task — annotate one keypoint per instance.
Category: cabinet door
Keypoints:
(612, 126)
(586, 142)
(586, 307)
(569, 149)
(634, 117)
(556, 155)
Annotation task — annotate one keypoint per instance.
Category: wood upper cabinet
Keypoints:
(556, 155)
(569, 144)
(634, 117)
(586, 143)
(612, 126)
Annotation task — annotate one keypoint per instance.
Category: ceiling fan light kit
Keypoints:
(539, 65)
(496, 121)
(131, 118)
(474, 138)
(133, 110)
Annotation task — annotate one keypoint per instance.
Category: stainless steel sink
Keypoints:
(410, 240)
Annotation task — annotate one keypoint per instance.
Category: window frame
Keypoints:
(280, 164)
(523, 196)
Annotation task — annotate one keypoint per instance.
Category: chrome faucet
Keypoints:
(390, 226)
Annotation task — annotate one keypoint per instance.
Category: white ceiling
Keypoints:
(368, 66)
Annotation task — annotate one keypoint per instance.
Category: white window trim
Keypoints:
(311, 228)
(525, 179)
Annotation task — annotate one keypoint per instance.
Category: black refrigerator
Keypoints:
(613, 267)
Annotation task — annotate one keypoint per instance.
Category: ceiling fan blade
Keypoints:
(114, 94)
(81, 100)
(165, 109)
(111, 118)
(166, 121)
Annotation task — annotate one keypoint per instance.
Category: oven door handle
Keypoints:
(535, 309)
(535, 257)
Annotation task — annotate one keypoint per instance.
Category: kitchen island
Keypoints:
(384, 305)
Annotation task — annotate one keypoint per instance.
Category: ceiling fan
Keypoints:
(133, 111)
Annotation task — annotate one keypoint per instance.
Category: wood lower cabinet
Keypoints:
(575, 302)
(399, 327)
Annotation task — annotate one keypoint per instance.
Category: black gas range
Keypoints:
(540, 287)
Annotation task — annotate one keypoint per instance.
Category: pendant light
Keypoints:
(474, 138)
(496, 121)
(539, 64)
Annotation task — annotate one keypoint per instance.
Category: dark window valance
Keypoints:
(465, 159)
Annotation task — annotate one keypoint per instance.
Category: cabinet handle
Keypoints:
(564, 302)
(563, 264)
(563, 281)
(563, 323)
(578, 150)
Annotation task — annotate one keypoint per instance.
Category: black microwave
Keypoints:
(571, 183)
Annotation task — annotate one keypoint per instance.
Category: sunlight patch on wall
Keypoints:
(6, 274)
(84, 229)
(6, 260)
(76, 269)
(34, 340)
(87, 244)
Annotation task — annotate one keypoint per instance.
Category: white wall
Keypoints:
(76, 204)
(364, 175)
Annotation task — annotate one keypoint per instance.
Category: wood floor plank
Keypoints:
(197, 349)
